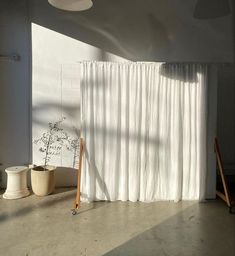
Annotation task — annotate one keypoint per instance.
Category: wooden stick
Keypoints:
(226, 196)
(221, 195)
(77, 201)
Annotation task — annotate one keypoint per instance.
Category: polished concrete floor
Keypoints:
(45, 226)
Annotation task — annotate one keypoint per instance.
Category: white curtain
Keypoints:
(144, 126)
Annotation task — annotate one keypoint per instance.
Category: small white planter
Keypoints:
(16, 182)
(43, 181)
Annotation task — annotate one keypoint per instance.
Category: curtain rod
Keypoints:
(206, 63)
(10, 57)
(165, 62)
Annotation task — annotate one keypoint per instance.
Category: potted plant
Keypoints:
(50, 144)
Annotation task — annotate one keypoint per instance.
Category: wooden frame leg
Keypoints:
(78, 195)
(226, 195)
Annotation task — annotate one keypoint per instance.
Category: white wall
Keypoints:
(15, 89)
(56, 83)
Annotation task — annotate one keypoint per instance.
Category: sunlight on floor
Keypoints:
(37, 225)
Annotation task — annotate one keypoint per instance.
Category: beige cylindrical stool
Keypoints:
(16, 182)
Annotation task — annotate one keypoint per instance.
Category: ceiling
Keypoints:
(150, 30)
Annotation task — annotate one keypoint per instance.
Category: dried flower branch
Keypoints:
(52, 141)
(74, 146)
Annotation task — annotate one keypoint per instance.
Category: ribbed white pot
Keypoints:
(43, 181)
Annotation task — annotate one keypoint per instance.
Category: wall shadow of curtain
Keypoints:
(181, 72)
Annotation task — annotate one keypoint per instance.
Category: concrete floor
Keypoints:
(45, 226)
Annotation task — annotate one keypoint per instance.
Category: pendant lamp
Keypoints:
(71, 5)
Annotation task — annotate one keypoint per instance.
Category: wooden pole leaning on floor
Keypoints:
(226, 195)
(78, 195)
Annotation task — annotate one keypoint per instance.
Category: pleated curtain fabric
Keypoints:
(144, 127)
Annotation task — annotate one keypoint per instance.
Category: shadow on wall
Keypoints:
(65, 176)
(104, 26)
(182, 72)
(69, 111)
(156, 31)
